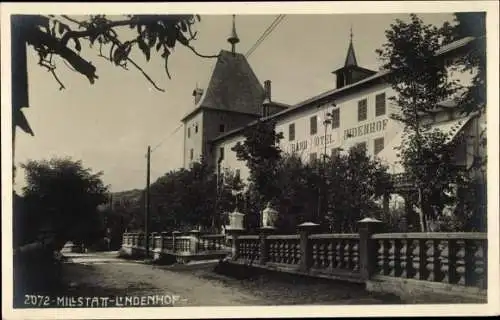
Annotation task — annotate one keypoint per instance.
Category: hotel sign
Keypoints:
(316, 141)
(372, 127)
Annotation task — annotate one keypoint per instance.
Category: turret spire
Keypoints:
(350, 59)
(233, 38)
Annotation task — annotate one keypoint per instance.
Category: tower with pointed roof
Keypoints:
(351, 73)
(233, 98)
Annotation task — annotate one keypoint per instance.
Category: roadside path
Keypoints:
(102, 274)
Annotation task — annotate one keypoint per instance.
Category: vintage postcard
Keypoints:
(227, 160)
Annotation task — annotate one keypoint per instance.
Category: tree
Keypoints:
(354, 183)
(421, 80)
(62, 196)
(261, 152)
(472, 24)
(229, 197)
(298, 184)
(434, 165)
(184, 199)
(61, 36)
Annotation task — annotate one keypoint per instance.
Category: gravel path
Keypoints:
(102, 274)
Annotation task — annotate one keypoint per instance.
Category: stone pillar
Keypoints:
(175, 234)
(194, 241)
(164, 235)
(264, 232)
(235, 243)
(367, 248)
(305, 229)
(125, 237)
(152, 245)
(140, 240)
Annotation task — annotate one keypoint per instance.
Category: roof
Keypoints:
(233, 86)
(350, 59)
(455, 45)
(330, 94)
(390, 156)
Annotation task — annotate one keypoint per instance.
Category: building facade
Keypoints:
(358, 108)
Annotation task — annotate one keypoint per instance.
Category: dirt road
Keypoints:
(102, 274)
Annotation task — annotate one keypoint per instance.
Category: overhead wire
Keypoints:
(265, 34)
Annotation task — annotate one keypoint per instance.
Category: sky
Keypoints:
(108, 125)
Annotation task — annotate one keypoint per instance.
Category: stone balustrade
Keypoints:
(443, 263)
(191, 246)
(448, 258)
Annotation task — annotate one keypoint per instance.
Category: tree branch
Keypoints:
(199, 54)
(51, 68)
(93, 30)
(145, 75)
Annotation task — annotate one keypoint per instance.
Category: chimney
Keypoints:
(267, 91)
(267, 98)
(197, 93)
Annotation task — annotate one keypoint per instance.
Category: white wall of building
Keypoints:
(230, 160)
(193, 140)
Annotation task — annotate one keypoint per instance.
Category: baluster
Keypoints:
(460, 262)
(330, 255)
(297, 253)
(446, 269)
(480, 279)
(381, 257)
(321, 254)
(315, 253)
(338, 254)
(403, 254)
(355, 256)
(391, 258)
(282, 251)
(276, 252)
(347, 255)
(286, 255)
(417, 260)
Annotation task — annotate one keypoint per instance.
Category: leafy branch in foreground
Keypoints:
(62, 36)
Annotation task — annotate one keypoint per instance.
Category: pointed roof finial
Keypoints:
(233, 38)
(350, 59)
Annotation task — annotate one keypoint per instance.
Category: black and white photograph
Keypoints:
(302, 159)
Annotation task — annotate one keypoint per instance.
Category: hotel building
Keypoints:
(358, 105)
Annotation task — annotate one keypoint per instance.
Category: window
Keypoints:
(378, 145)
(189, 132)
(221, 153)
(196, 128)
(237, 173)
(380, 104)
(291, 132)
(313, 156)
(314, 124)
(362, 145)
(191, 154)
(335, 118)
(222, 128)
(362, 110)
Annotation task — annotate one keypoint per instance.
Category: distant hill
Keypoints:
(128, 196)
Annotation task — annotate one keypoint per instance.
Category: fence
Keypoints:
(401, 263)
(183, 246)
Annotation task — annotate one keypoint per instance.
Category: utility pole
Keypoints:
(322, 203)
(147, 201)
